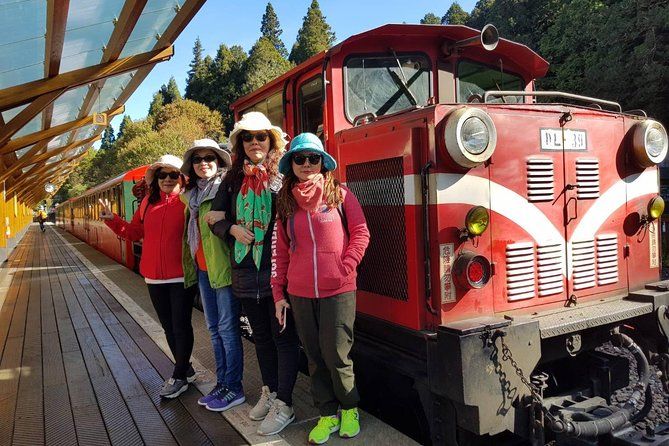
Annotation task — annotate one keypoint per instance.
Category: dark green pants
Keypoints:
(325, 327)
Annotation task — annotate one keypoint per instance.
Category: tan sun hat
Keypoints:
(254, 122)
(205, 143)
(164, 161)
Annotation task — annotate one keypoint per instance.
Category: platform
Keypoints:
(82, 358)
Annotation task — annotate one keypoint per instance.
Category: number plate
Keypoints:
(574, 140)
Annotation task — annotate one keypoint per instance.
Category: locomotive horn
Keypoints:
(488, 39)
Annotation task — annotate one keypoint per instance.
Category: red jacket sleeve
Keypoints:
(358, 232)
(280, 261)
(133, 231)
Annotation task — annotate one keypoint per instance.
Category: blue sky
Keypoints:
(238, 23)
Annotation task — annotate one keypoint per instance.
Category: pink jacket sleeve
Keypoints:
(280, 260)
(358, 232)
(133, 231)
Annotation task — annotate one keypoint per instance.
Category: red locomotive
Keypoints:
(509, 236)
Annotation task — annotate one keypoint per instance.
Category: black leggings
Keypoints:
(278, 353)
(174, 306)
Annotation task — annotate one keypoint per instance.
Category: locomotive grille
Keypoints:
(540, 179)
(587, 178)
(607, 259)
(550, 259)
(379, 186)
(583, 263)
(520, 281)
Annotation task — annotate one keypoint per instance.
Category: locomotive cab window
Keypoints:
(474, 79)
(379, 85)
(311, 106)
(272, 107)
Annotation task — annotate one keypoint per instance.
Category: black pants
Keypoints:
(278, 353)
(174, 306)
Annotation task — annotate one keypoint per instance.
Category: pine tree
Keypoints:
(263, 65)
(430, 19)
(124, 124)
(199, 77)
(108, 138)
(228, 75)
(314, 36)
(156, 103)
(455, 15)
(170, 91)
(271, 29)
(195, 65)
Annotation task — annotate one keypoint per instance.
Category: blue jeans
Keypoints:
(221, 311)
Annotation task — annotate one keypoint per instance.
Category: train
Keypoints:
(513, 232)
(80, 216)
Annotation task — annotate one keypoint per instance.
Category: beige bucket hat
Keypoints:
(205, 143)
(255, 121)
(164, 161)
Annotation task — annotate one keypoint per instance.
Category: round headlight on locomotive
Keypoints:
(656, 207)
(650, 143)
(470, 136)
(471, 270)
(477, 220)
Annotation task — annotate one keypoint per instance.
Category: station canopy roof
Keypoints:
(62, 64)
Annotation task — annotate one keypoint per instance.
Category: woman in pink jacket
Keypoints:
(319, 240)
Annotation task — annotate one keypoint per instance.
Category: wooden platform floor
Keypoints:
(76, 368)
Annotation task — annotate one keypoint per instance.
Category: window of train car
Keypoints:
(310, 99)
(272, 107)
(376, 84)
(474, 79)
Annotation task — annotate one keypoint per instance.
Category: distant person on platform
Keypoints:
(41, 218)
(159, 222)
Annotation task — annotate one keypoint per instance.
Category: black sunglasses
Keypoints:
(260, 137)
(313, 159)
(207, 159)
(174, 175)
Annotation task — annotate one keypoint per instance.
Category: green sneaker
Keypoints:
(326, 426)
(350, 423)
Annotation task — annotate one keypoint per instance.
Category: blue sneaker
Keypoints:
(216, 392)
(226, 401)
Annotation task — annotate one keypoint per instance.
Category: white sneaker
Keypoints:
(279, 416)
(260, 410)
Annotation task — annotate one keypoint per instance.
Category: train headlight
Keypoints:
(477, 220)
(656, 207)
(471, 270)
(650, 143)
(470, 136)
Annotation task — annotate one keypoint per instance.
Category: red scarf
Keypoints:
(309, 194)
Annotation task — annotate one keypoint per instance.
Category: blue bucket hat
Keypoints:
(302, 143)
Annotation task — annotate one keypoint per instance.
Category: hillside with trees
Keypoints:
(612, 49)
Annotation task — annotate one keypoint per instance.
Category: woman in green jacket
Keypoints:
(206, 163)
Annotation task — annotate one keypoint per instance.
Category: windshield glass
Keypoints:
(377, 85)
(475, 79)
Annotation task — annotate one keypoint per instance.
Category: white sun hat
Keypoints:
(164, 161)
(205, 143)
(255, 121)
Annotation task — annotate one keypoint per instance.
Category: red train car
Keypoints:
(510, 236)
(80, 216)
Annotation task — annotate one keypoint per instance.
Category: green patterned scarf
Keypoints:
(254, 210)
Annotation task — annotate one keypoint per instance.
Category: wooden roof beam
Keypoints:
(20, 94)
(132, 10)
(27, 114)
(56, 22)
(24, 160)
(52, 132)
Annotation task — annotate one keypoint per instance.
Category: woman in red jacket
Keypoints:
(159, 222)
(320, 238)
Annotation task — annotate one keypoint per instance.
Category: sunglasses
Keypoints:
(207, 159)
(260, 137)
(313, 159)
(173, 175)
